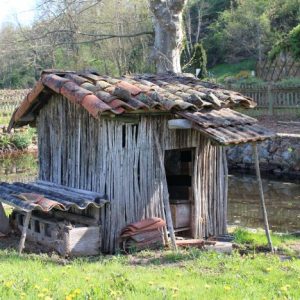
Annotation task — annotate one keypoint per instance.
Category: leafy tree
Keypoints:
(242, 31)
(289, 43)
(284, 15)
(199, 15)
(198, 61)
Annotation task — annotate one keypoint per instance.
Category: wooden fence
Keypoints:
(282, 67)
(272, 99)
(9, 100)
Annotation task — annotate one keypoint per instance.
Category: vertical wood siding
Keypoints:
(120, 160)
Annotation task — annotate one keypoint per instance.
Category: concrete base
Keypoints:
(220, 247)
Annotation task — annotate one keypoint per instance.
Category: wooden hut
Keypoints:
(139, 140)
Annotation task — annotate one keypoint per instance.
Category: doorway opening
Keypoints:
(179, 173)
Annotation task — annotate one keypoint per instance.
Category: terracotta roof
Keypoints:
(205, 104)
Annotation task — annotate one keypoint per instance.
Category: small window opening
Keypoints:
(123, 136)
(37, 227)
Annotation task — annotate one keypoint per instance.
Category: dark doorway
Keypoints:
(179, 172)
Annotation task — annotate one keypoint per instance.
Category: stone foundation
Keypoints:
(280, 155)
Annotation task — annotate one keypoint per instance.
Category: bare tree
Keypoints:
(167, 18)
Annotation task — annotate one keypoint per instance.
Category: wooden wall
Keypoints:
(120, 159)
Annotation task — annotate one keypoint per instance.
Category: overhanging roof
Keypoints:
(39, 196)
(207, 105)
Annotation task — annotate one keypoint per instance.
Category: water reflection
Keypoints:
(282, 195)
(282, 201)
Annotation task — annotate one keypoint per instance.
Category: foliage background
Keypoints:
(116, 37)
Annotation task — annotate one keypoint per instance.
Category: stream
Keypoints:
(282, 195)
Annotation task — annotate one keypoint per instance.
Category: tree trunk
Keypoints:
(167, 18)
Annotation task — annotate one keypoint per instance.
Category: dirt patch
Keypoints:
(295, 246)
(273, 123)
(11, 153)
(11, 242)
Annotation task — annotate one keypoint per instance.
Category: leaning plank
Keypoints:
(4, 222)
(180, 124)
(262, 198)
(165, 194)
(24, 232)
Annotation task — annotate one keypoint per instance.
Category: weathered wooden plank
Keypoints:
(119, 159)
(4, 222)
(24, 232)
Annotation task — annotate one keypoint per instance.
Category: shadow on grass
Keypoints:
(33, 251)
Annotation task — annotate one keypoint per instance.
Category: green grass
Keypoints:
(257, 238)
(222, 71)
(8, 210)
(189, 274)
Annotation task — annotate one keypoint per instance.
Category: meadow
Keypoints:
(162, 274)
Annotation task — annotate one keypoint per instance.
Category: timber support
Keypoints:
(262, 198)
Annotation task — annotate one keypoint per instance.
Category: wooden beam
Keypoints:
(75, 218)
(166, 202)
(180, 124)
(262, 198)
(4, 222)
(24, 232)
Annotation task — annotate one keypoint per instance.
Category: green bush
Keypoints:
(244, 74)
(22, 140)
(18, 140)
(5, 142)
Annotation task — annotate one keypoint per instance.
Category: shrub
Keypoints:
(22, 140)
(5, 142)
(244, 74)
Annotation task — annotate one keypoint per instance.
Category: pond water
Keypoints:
(282, 195)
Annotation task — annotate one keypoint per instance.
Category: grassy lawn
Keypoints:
(286, 244)
(225, 70)
(189, 274)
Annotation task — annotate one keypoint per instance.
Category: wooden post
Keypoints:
(262, 198)
(270, 100)
(4, 222)
(166, 202)
(24, 232)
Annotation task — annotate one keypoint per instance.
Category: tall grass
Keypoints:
(189, 274)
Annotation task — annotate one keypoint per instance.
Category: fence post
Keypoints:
(270, 100)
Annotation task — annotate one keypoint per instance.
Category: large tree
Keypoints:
(167, 18)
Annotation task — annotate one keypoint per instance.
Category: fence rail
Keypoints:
(9, 100)
(282, 67)
(273, 99)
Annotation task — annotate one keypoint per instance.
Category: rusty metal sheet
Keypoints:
(142, 226)
(28, 199)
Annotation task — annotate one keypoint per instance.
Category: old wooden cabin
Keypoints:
(106, 135)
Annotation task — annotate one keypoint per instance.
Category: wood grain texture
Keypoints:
(4, 222)
(120, 160)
